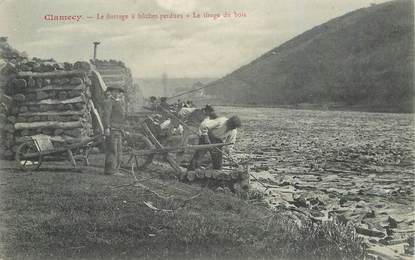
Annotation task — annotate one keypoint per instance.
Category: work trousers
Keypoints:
(113, 152)
(215, 154)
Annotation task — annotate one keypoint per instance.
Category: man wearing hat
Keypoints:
(217, 130)
(113, 121)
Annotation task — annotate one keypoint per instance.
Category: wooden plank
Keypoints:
(61, 113)
(57, 88)
(97, 116)
(60, 73)
(56, 101)
(48, 124)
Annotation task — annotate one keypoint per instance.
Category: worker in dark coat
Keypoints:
(113, 121)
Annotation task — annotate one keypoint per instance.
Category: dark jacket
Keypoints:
(114, 113)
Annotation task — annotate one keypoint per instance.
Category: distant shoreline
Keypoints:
(320, 108)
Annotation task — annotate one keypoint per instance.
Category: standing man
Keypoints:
(113, 121)
(218, 130)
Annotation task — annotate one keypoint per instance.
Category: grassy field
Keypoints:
(58, 213)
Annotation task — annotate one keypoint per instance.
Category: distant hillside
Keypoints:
(362, 60)
(154, 86)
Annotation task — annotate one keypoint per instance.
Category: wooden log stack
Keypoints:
(116, 73)
(233, 179)
(47, 98)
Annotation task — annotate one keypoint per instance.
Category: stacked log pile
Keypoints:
(10, 60)
(46, 98)
(225, 179)
(115, 73)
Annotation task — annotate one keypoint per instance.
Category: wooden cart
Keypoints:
(31, 154)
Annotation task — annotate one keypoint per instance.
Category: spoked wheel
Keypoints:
(138, 142)
(28, 157)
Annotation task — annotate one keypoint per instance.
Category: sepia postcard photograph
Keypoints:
(207, 129)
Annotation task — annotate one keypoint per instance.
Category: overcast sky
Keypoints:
(180, 47)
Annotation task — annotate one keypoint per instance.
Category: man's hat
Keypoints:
(209, 108)
(234, 122)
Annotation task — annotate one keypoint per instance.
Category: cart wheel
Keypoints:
(140, 142)
(28, 163)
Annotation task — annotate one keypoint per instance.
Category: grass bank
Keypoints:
(57, 214)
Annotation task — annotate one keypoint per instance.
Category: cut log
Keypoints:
(31, 97)
(58, 132)
(215, 174)
(25, 132)
(80, 99)
(36, 119)
(78, 106)
(6, 100)
(11, 119)
(31, 83)
(48, 124)
(58, 139)
(71, 107)
(64, 81)
(76, 81)
(200, 174)
(39, 83)
(19, 83)
(53, 113)
(74, 93)
(51, 74)
(47, 131)
(60, 107)
(235, 175)
(82, 65)
(9, 128)
(33, 108)
(9, 136)
(19, 97)
(21, 119)
(208, 173)
(42, 95)
(46, 82)
(62, 95)
(74, 132)
(58, 88)
(56, 81)
(14, 110)
(43, 108)
(23, 109)
(191, 175)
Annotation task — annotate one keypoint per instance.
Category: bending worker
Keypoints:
(113, 121)
(218, 130)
